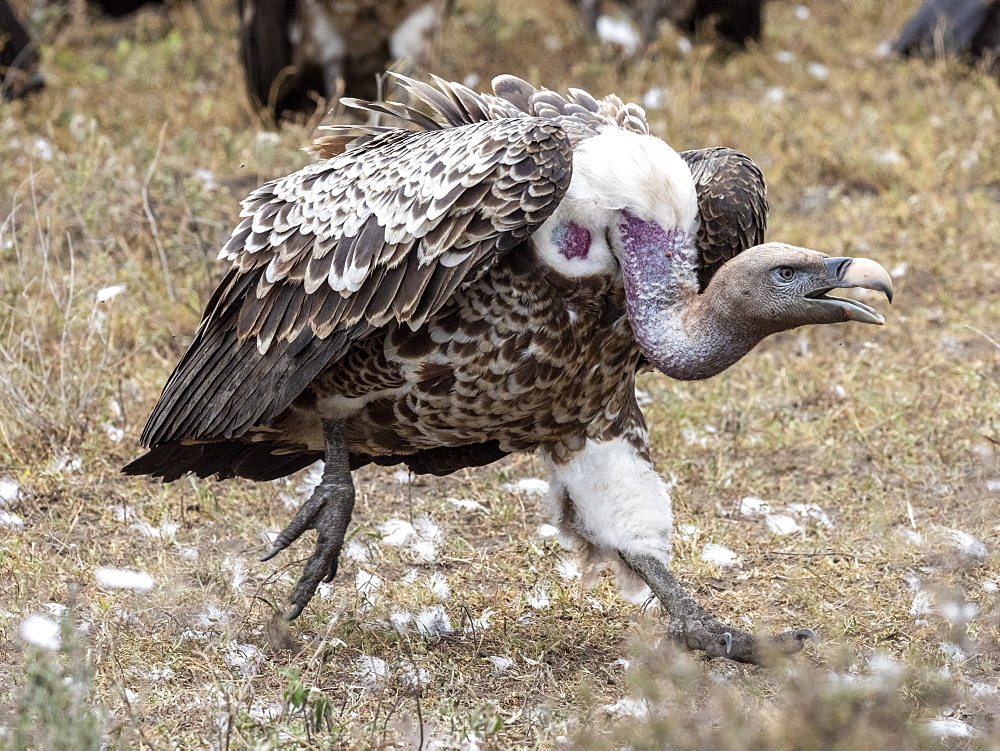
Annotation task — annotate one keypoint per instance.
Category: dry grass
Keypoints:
(127, 170)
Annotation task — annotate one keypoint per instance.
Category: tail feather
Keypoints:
(268, 461)
(224, 459)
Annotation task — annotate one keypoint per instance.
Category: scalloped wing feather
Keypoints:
(732, 205)
(328, 254)
(580, 115)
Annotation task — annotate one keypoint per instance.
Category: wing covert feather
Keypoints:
(732, 205)
(328, 254)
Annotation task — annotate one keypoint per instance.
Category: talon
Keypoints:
(790, 642)
(697, 629)
(274, 551)
(305, 518)
(295, 612)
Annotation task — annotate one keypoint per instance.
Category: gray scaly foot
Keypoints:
(328, 511)
(696, 629)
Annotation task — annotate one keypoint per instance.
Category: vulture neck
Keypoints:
(684, 334)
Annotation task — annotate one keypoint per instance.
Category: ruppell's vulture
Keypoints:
(297, 52)
(953, 27)
(18, 57)
(736, 21)
(485, 282)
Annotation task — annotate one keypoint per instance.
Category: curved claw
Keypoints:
(321, 567)
(328, 511)
(793, 641)
(806, 634)
(787, 643)
(717, 640)
(698, 630)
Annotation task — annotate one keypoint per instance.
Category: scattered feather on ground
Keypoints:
(41, 631)
(116, 578)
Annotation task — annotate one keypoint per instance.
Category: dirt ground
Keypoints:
(458, 620)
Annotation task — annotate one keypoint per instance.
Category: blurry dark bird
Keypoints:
(122, 8)
(953, 27)
(484, 282)
(735, 21)
(19, 74)
(296, 53)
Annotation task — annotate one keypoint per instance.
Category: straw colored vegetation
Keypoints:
(461, 624)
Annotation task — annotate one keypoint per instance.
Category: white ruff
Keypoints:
(616, 503)
(613, 171)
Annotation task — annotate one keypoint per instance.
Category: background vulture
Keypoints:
(18, 56)
(736, 21)
(297, 52)
(953, 27)
(490, 282)
(122, 8)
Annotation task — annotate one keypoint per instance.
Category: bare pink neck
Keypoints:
(686, 335)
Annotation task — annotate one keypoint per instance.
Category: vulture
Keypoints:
(484, 281)
(953, 27)
(736, 21)
(18, 57)
(296, 52)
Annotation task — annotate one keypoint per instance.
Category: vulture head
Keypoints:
(691, 325)
(775, 287)
(691, 334)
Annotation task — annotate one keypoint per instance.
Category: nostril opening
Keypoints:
(837, 267)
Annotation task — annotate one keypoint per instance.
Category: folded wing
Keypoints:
(732, 205)
(383, 232)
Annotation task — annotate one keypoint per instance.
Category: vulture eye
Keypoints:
(787, 273)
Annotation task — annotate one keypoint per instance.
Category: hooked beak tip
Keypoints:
(860, 272)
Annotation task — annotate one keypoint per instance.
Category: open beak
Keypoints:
(843, 273)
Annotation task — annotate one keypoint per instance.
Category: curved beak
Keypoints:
(854, 272)
(860, 272)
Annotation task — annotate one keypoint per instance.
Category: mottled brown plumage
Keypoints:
(275, 323)
(274, 326)
(497, 363)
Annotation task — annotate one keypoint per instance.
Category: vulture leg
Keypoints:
(697, 629)
(328, 511)
(609, 497)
